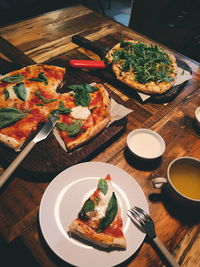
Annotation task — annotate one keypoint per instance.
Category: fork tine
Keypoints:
(133, 215)
(140, 215)
(146, 215)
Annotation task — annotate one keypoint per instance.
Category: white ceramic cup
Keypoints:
(169, 186)
(197, 116)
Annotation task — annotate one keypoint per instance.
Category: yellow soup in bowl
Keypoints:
(185, 178)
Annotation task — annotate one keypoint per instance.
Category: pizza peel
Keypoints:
(104, 71)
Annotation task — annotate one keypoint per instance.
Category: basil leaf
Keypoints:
(89, 205)
(110, 214)
(40, 104)
(62, 109)
(72, 129)
(43, 77)
(20, 91)
(36, 80)
(40, 78)
(6, 93)
(82, 96)
(90, 88)
(13, 79)
(44, 100)
(96, 200)
(102, 186)
(26, 110)
(62, 126)
(9, 116)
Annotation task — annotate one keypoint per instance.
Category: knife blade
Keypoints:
(41, 135)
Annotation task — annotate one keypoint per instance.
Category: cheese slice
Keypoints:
(81, 113)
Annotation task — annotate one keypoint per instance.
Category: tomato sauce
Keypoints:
(115, 228)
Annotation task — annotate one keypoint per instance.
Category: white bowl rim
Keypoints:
(197, 111)
(149, 131)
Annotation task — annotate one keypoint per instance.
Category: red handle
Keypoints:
(96, 64)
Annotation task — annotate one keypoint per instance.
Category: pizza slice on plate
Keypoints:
(99, 220)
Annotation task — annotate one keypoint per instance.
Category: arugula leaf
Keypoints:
(72, 129)
(82, 96)
(9, 116)
(6, 93)
(44, 100)
(110, 214)
(20, 91)
(40, 78)
(89, 205)
(102, 186)
(13, 79)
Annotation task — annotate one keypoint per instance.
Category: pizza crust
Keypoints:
(10, 142)
(128, 77)
(82, 230)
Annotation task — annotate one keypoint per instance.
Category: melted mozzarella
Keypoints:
(12, 94)
(104, 200)
(81, 113)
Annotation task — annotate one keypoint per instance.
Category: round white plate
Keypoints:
(63, 199)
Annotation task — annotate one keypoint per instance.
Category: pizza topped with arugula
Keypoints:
(146, 68)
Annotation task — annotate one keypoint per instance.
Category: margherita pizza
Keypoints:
(146, 68)
(29, 96)
(99, 220)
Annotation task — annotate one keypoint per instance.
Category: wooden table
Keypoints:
(49, 36)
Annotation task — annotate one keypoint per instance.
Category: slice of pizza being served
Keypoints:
(99, 220)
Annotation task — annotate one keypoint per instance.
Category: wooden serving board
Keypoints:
(103, 45)
(48, 156)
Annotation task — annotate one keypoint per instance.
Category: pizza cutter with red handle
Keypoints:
(100, 49)
(95, 47)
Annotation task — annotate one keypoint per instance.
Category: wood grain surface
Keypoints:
(48, 38)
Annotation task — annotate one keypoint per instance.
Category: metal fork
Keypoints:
(144, 222)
